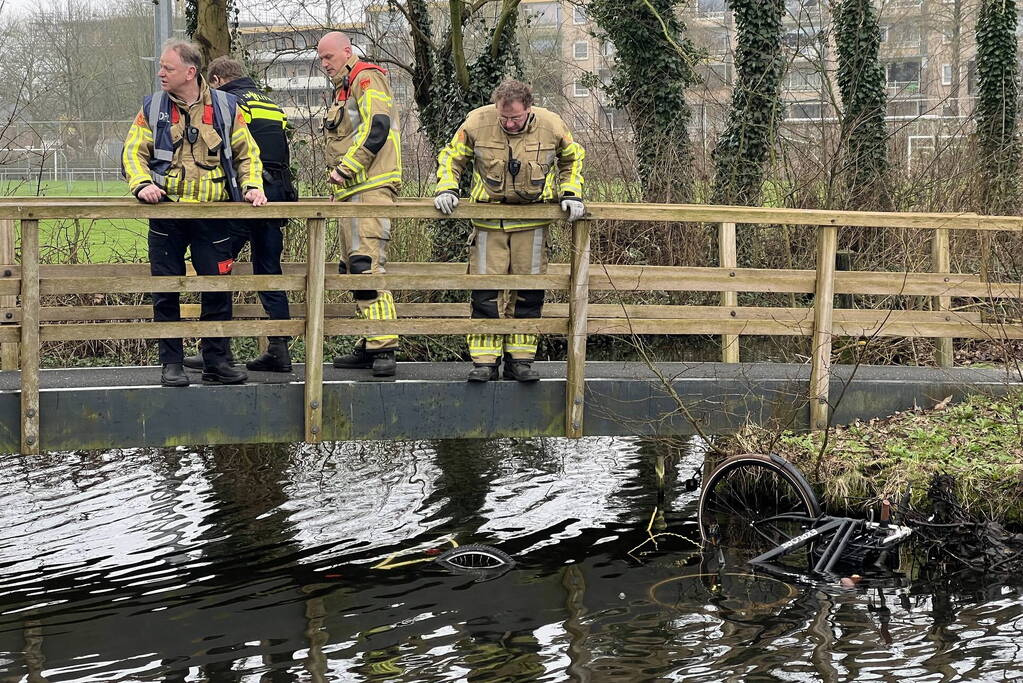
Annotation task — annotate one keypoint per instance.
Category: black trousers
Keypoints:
(267, 241)
(210, 244)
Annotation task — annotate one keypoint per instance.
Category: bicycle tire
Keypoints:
(475, 556)
(737, 593)
(744, 491)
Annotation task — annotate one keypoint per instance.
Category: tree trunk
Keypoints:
(212, 30)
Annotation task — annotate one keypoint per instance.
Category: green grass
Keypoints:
(59, 188)
(978, 441)
(84, 241)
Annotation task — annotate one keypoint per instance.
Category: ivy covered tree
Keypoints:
(654, 61)
(997, 105)
(454, 73)
(862, 84)
(744, 148)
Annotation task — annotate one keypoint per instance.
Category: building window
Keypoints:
(579, 16)
(798, 6)
(803, 80)
(545, 46)
(580, 90)
(582, 121)
(710, 8)
(904, 76)
(904, 34)
(581, 50)
(804, 41)
(545, 13)
(805, 110)
(720, 43)
(607, 48)
(946, 74)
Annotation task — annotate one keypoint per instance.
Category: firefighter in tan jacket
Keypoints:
(191, 144)
(364, 165)
(522, 154)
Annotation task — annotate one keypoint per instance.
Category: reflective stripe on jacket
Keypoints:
(361, 130)
(221, 162)
(540, 163)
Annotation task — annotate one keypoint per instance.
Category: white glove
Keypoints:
(574, 207)
(445, 202)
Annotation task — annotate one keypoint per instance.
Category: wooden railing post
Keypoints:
(30, 337)
(823, 309)
(8, 351)
(941, 262)
(314, 294)
(727, 258)
(578, 301)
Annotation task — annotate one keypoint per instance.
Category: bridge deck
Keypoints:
(121, 407)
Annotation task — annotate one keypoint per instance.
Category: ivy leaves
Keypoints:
(998, 105)
(863, 87)
(744, 147)
(654, 61)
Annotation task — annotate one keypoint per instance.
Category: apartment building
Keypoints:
(927, 49)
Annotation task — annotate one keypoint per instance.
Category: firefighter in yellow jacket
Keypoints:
(364, 165)
(522, 154)
(191, 144)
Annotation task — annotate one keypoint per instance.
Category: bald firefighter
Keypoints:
(522, 155)
(191, 144)
(364, 157)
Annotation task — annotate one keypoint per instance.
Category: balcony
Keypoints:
(904, 88)
(299, 83)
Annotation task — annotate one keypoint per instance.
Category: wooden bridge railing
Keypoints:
(29, 323)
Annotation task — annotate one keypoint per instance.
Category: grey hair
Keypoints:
(188, 52)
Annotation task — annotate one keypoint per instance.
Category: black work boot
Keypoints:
(520, 370)
(275, 359)
(196, 362)
(359, 358)
(222, 372)
(173, 375)
(482, 372)
(384, 363)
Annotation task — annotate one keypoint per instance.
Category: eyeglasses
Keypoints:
(519, 117)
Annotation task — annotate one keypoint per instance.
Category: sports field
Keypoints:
(84, 241)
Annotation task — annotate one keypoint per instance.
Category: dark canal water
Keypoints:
(260, 564)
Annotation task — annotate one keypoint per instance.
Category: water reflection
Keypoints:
(257, 563)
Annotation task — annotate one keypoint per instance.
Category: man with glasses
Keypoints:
(191, 144)
(522, 155)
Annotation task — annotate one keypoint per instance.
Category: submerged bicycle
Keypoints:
(761, 508)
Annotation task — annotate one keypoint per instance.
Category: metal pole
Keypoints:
(163, 29)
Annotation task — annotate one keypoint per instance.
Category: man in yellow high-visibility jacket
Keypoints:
(522, 155)
(364, 158)
(191, 144)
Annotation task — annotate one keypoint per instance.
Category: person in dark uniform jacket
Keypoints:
(268, 126)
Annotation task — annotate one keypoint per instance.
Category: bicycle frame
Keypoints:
(840, 529)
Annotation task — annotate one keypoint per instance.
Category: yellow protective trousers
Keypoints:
(518, 252)
(364, 250)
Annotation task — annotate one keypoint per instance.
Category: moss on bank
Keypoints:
(979, 442)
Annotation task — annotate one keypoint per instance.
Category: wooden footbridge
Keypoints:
(121, 407)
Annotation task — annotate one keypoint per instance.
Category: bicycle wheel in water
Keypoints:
(742, 499)
(475, 557)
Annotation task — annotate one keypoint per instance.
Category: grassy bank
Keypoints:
(979, 442)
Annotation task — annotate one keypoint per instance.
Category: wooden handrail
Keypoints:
(44, 208)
